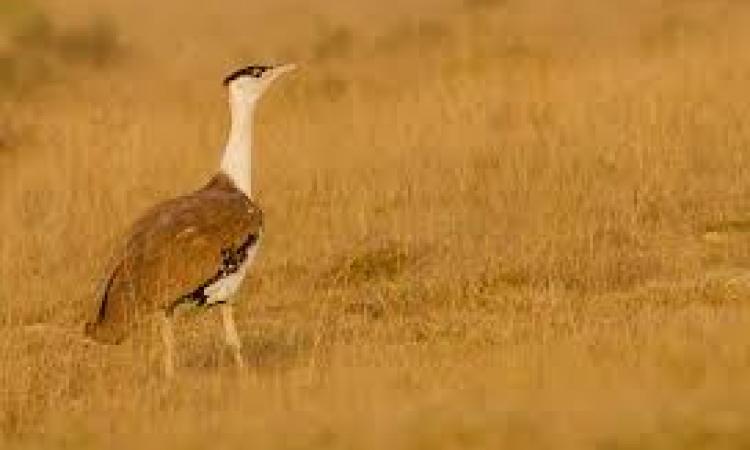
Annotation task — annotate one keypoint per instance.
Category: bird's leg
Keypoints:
(230, 334)
(167, 335)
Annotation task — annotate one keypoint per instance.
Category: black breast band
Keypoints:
(231, 261)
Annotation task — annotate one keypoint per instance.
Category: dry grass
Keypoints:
(483, 224)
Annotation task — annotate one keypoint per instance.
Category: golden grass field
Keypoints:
(483, 223)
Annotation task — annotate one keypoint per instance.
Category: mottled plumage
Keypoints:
(174, 253)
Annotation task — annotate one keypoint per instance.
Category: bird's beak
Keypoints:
(278, 71)
(285, 68)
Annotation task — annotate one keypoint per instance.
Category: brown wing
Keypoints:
(174, 248)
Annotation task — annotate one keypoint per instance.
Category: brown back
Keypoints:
(171, 251)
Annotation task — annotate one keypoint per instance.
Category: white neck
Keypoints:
(237, 159)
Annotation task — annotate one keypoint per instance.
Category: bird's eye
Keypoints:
(258, 71)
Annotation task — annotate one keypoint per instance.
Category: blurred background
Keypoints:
(483, 221)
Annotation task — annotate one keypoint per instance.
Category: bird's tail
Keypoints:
(99, 330)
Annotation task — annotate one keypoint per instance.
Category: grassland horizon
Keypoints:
(484, 223)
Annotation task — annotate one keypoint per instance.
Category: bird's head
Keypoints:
(249, 83)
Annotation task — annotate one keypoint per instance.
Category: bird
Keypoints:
(192, 251)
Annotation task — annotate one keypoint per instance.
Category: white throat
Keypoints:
(237, 160)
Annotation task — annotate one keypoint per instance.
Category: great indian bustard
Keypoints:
(194, 249)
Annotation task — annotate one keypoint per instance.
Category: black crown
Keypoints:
(255, 71)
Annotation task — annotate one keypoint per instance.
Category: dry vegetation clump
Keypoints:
(32, 47)
(485, 225)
